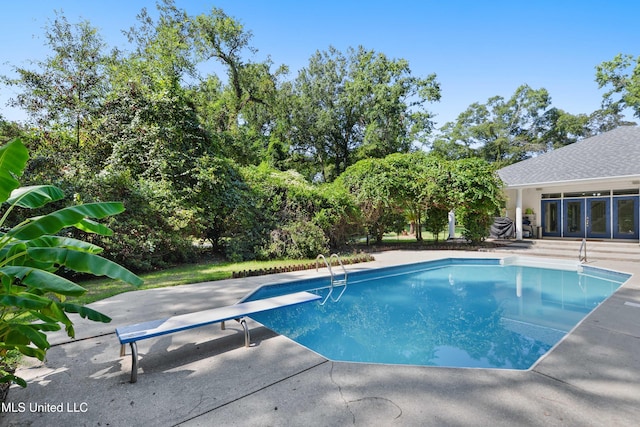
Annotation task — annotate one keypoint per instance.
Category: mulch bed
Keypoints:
(365, 257)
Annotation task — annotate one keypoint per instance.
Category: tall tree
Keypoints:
(621, 76)
(221, 37)
(67, 87)
(361, 104)
(244, 107)
(559, 128)
(162, 58)
(502, 130)
(394, 115)
(323, 122)
(149, 124)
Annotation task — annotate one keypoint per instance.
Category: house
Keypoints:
(589, 189)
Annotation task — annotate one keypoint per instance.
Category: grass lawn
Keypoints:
(427, 236)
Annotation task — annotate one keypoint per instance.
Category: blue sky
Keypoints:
(478, 49)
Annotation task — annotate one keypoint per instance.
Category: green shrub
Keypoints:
(476, 226)
(290, 217)
(436, 220)
(155, 230)
(298, 240)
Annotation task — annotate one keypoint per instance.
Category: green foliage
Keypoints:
(372, 187)
(31, 253)
(246, 106)
(288, 216)
(621, 76)
(337, 214)
(476, 226)
(154, 138)
(154, 232)
(418, 184)
(347, 107)
(162, 55)
(400, 186)
(436, 220)
(13, 159)
(477, 194)
(502, 130)
(218, 198)
(505, 131)
(297, 240)
(68, 86)
(10, 130)
(414, 183)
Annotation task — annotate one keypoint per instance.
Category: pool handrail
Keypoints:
(583, 248)
(333, 278)
(339, 282)
(320, 256)
(343, 269)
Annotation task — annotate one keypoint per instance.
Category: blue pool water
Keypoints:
(454, 312)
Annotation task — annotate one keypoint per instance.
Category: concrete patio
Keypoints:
(207, 377)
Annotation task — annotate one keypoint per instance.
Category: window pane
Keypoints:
(623, 192)
(574, 217)
(551, 218)
(626, 224)
(598, 216)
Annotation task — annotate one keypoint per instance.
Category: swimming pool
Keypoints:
(455, 312)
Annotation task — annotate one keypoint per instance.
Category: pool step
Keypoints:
(596, 250)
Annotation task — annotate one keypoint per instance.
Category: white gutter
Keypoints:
(577, 181)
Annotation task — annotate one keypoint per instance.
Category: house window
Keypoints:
(594, 193)
(581, 194)
(625, 192)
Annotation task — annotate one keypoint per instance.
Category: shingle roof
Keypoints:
(612, 154)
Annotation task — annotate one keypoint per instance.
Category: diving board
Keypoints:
(131, 334)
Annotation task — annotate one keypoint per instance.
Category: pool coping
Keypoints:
(590, 378)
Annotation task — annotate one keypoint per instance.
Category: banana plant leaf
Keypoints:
(64, 242)
(45, 318)
(83, 262)
(63, 218)
(90, 226)
(35, 196)
(12, 378)
(18, 249)
(31, 333)
(55, 312)
(25, 300)
(43, 280)
(27, 351)
(13, 159)
(85, 312)
(32, 297)
(47, 242)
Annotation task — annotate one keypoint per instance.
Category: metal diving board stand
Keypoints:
(131, 334)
